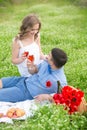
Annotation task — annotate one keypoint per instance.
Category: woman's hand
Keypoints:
(23, 56)
(44, 57)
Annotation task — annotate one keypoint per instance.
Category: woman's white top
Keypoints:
(33, 49)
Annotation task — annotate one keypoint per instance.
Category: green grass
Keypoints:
(64, 25)
(49, 118)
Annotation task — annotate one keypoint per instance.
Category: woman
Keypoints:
(26, 45)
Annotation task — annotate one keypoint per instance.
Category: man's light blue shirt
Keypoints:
(36, 84)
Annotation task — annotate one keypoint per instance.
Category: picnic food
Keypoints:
(15, 112)
(1, 115)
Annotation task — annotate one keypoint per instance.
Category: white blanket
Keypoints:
(29, 106)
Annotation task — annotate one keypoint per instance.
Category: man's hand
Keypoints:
(31, 67)
(43, 97)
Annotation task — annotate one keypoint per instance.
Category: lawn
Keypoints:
(64, 25)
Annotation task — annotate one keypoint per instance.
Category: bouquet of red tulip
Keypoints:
(72, 99)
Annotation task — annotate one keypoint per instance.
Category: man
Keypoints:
(44, 81)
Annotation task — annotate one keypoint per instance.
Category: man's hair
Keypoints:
(59, 57)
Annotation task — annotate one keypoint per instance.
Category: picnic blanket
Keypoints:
(29, 106)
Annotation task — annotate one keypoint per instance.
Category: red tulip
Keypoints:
(31, 58)
(26, 53)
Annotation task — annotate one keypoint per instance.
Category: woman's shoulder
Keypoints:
(16, 42)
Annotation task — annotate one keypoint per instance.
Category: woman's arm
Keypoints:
(15, 53)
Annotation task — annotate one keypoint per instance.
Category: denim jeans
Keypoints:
(14, 89)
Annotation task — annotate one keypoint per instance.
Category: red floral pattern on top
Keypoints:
(48, 84)
(69, 96)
